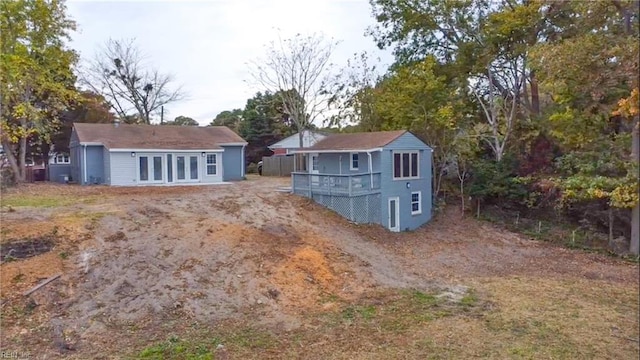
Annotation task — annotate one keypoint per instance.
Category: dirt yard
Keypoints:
(243, 271)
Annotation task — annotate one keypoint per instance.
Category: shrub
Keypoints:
(252, 168)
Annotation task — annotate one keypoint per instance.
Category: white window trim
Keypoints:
(351, 167)
(419, 211)
(206, 165)
(187, 168)
(63, 156)
(150, 168)
(393, 168)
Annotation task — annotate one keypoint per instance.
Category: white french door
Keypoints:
(187, 168)
(150, 168)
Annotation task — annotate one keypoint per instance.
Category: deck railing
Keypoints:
(335, 184)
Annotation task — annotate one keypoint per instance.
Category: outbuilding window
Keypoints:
(355, 161)
(416, 203)
(406, 165)
(212, 164)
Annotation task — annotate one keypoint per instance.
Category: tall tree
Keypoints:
(231, 119)
(133, 89)
(263, 123)
(417, 98)
(593, 69)
(36, 78)
(88, 107)
(297, 70)
(182, 121)
(352, 94)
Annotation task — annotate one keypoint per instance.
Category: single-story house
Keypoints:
(288, 145)
(374, 177)
(122, 154)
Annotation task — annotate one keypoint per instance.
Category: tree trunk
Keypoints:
(634, 246)
(535, 94)
(462, 195)
(23, 160)
(610, 227)
(13, 161)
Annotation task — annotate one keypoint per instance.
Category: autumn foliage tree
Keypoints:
(36, 77)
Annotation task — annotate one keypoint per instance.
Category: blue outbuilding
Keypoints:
(380, 177)
(143, 155)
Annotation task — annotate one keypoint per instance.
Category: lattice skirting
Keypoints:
(363, 209)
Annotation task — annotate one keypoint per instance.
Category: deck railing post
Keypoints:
(350, 181)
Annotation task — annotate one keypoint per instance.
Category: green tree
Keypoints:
(88, 107)
(231, 119)
(415, 97)
(36, 78)
(592, 70)
(182, 121)
(264, 123)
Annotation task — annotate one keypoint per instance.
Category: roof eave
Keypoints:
(304, 151)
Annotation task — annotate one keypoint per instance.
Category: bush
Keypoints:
(497, 182)
(252, 168)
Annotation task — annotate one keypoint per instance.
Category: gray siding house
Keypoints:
(143, 155)
(375, 177)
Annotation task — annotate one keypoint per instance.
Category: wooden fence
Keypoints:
(277, 165)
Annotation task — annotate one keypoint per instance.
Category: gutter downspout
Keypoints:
(244, 162)
(84, 161)
(370, 168)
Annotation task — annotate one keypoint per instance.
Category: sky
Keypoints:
(206, 45)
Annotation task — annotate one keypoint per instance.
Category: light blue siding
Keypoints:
(406, 141)
(374, 207)
(95, 165)
(58, 171)
(340, 163)
(398, 188)
(106, 159)
(75, 156)
(122, 168)
(233, 163)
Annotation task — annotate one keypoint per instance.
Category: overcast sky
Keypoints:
(207, 44)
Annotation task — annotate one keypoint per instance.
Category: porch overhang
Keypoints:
(311, 151)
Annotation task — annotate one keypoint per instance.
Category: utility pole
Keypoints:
(161, 115)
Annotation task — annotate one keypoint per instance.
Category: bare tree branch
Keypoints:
(128, 84)
(296, 69)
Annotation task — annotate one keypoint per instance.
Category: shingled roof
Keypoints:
(165, 137)
(356, 141)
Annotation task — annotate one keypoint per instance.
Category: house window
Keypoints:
(144, 168)
(314, 162)
(416, 203)
(181, 167)
(193, 167)
(406, 165)
(62, 159)
(157, 168)
(354, 161)
(212, 164)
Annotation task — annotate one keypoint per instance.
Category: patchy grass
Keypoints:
(502, 318)
(44, 201)
(176, 348)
